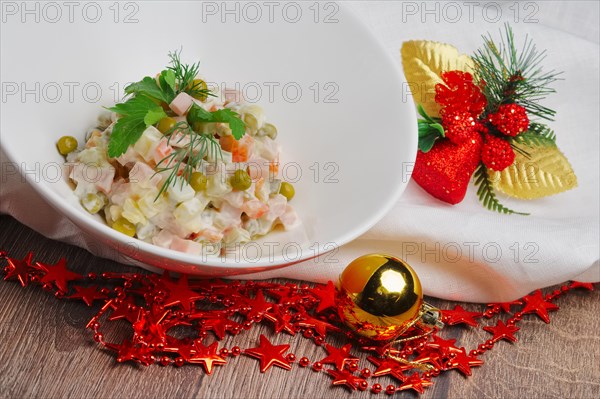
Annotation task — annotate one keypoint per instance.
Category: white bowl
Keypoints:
(350, 135)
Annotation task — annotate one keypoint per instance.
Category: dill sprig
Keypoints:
(511, 76)
(185, 74)
(183, 161)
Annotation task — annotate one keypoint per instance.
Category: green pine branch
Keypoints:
(514, 76)
(538, 135)
(486, 193)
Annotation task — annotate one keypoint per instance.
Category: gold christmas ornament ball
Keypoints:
(381, 296)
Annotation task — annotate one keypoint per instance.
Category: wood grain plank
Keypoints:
(46, 353)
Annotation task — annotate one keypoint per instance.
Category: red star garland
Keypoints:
(281, 320)
(388, 367)
(179, 293)
(347, 379)
(269, 354)
(505, 306)
(339, 357)
(57, 274)
(19, 269)
(416, 383)
(207, 356)
(258, 307)
(463, 362)
(124, 310)
(586, 286)
(535, 303)
(153, 305)
(319, 326)
(88, 294)
(459, 316)
(326, 296)
(444, 346)
(502, 331)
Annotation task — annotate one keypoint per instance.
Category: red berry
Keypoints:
(510, 119)
(459, 94)
(458, 126)
(497, 154)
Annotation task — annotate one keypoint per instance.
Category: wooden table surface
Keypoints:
(45, 351)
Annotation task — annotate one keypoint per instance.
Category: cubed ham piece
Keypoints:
(255, 208)
(235, 198)
(162, 150)
(210, 234)
(187, 246)
(142, 173)
(105, 179)
(163, 239)
(277, 206)
(181, 103)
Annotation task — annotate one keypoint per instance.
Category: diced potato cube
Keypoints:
(147, 143)
(180, 191)
(132, 212)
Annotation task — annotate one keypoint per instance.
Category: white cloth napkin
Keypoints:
(460, 252)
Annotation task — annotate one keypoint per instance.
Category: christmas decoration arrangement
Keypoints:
(483, 116)
(378, 311)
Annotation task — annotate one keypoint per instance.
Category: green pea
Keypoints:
(124, 226)
(198, 181)
(287, 190)
(240, 180)
(66, 144)
(166, 124)
(198, 85)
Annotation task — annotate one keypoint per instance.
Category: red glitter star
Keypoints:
(19, 269)
(326, 295)
(281, 321)
(339, 357)
(207, 356)
(87, 294)
(415, 382)
(502, 331)
(346, 378)
(269, 354)
(535, 303)
(459, 315)
(463, 363)
(57, 274)
(578, 284)
(387, 366)
(179, 293)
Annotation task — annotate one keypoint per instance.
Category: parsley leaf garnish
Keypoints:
(149, 87)
(199, 114)
(137, 114)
